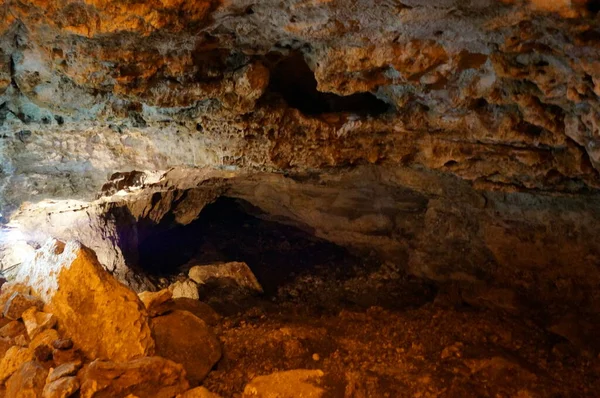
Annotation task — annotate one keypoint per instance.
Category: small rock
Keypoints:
(198, 392)
(21, 340)
(289, 384)
(8, 289)
(65, 356)
(19, 303)
(28, 381)
(66, 369)
(187, 288)
(186, 339)
(45, 337)
(155, 301)
(13, 329)
(36, 321)
(225, 274)
(144, 377)
(61, 388)
(62, 344)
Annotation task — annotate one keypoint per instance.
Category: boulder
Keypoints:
(198, 308)
(61, 388)
(37, 321)
(186, 288)
(156, 302)
(143, 377)
(186, 339)
(19, 303)
(63, 276)
(289, 384)
(27, 382)
(198, 392)
(14, 358)
(236, 274)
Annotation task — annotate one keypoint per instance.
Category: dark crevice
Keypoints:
(226, 231)
(292, 78)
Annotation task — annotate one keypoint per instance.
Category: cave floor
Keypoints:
(432, 350)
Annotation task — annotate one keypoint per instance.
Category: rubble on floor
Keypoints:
(287, 346)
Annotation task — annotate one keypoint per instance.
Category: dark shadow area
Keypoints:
(295, 82)
(225, 231)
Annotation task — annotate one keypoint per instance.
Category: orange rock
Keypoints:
(64, 276)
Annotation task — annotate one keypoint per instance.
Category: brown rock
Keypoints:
(198, 392)
(5, 344)
(61, 388)
(113, 311)
(144, 377)
(27, 382)
(186, 288)
(19, 303)
(225, 274)
(43, 353)
(14, 358)
(289, 384)
(66, 369)
(13, 329)
(62, 344)
(44, 338)
(8, 289)
(66, 356)
(36, 321)
(155, 302)
(186, 339)
(198, 308)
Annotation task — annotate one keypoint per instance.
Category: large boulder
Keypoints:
(102, 316)
(186, 339)
(143, 377)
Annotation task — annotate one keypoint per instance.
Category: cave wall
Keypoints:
(459, 138)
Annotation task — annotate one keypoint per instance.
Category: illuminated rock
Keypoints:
(64, 276)
(144, 377)
(289, 384)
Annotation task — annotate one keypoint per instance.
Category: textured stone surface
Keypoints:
(63, 275)
(28, 381)
(291, 383)
(459, 139)
(198, 392)
(237, 274)
(143, 377)
(61, 388)
(186, 339)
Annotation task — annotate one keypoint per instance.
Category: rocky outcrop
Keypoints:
(62, 275)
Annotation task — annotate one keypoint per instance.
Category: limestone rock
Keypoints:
(186, 339)
(44, 338)
(64, 387)
(64, 276)
(14, 358)
(198, 308)
(19, 303)
(37, 321)
(27, 382)
(198, 392)
(64, 370)
(236, 273)
(143, 377)
(187, 288)
(288, 384)
(13, 329)
(5, 344)
(155, 302)
(9, 288)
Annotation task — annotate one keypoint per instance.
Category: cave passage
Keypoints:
(225, 231)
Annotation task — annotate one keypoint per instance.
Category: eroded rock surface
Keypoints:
(63, 275)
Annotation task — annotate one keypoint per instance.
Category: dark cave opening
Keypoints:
(292, 78)
(227, 231)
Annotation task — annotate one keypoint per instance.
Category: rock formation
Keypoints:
(455, 142)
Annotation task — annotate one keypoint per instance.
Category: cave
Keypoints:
(299, 198)
(226, 231)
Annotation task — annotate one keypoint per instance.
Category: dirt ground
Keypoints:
(373, 330)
